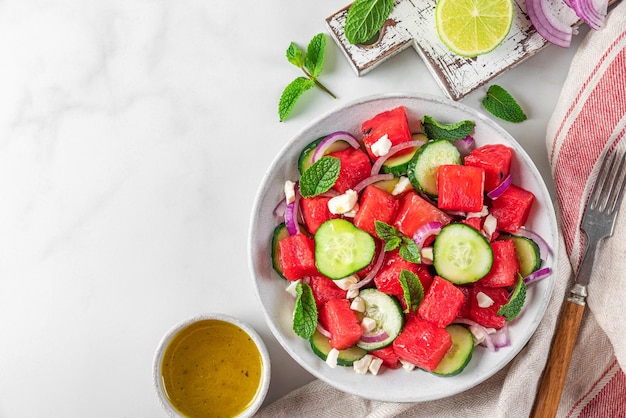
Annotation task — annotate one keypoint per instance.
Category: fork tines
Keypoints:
(609, 188)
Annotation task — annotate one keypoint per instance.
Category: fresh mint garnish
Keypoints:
(305, 312)
(501, 104)
(320, 176)
(515, 304)
(365, 18)
(413, 290)
(311, 64)
(395, 239)
(448, 131)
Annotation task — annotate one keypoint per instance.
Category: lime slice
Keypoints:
(473, 27)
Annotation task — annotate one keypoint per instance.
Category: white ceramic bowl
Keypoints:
(393, 385)
(167, 338)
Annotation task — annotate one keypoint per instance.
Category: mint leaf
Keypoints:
(291, 94)
(365, 18)
(305, 312)
(448, 131)
(320, 176)
(515, 304)
(395, 239)
(294, 55)
(413, 290)
(502, 105)
(409, 251)
(314, 59)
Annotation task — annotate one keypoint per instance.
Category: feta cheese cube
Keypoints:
(362, 365)
(401, 186)
(343, 203)
(368, 324)
(375, 364)
(290, 191)
(381, 146)
(484, 301)
(331, 358)
(358, 304)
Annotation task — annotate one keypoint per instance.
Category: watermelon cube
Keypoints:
(415, 211)
(387, 279)
(355, 167)
(505, 267)
(389, 357)
(441, 303)
(325, 289)
(464, 312)
(394, 123)
(315, 212)
(375, 205)
(512, 208)
(487, 316)
(460, 187)
(342, 323)
(495, 159)
(422, 343)
(297, 256)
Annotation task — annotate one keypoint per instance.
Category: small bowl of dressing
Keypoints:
(211, 365)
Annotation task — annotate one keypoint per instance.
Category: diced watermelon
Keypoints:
(375, 205)
(460, 187)
(342, 323)
(512, 208)
(422, 343)
(297, 256)
(325, 289)
(389, 357)
(315, 212)
(464, 312)
(475, 222)
(441, 303)
(505, 267)
(388, 278)
(495, 159)
(393, 123)
(488, 317)
(355, 167)
(415, 211)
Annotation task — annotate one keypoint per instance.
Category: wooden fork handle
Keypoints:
(553, 378)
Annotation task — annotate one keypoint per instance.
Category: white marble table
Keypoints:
(133, 136)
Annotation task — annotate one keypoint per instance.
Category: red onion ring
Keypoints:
(323, 330)
(291, 213)
(425, 231)
(393, 150)
(370, 276)
(371, 179)
(331, 139)
(464, 145)
(501, 338)
(488, 340)
(500, 188)
(544, 248)
(537, 275)
(587, 12)
(547, 25)
(374, 338)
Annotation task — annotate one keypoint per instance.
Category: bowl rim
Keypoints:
(157, 380)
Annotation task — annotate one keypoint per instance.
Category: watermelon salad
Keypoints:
(406, 249)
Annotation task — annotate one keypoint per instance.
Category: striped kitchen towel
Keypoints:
(590, 117)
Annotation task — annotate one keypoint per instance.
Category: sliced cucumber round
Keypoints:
(527, 252)
(280, 232)
(422, 169)
(387, 313)
(321, 347)
(342, 249)
(459, 354)
(461, 254)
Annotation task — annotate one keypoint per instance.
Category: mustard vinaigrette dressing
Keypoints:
(211, 368)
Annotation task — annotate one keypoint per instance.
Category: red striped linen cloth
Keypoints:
(589, 118)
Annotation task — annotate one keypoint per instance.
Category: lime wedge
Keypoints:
(473, 27)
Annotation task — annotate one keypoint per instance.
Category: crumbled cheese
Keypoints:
(426, 254)
(347, 282)
(358, 304)
(291, 289)
(490, 225)
(290, 191)
(479, 335)
(343, 203)
(352, 292)
(375, 364)
(331, 358)
(368, 324)
(480, 214)
(382, 146)
(362, 365)
(483, 300)
(407, 365)
(352, 212)
(401, 186)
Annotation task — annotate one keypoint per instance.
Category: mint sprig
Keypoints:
(320, 176)
(413, 290)
(365, 18)
(515, 304)
(305, 312)
(311, 63)
(395, 239)
(501, 104)
(449, 131)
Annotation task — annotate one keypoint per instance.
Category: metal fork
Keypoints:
(598, 223)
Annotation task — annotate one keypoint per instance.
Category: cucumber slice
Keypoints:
(461, 254)
(422, 169)
(459, 354)
(306, 155)
(342, 249)
(399, 166)
(527, 252)
(280, 232)
(387, 313)
(321, 347)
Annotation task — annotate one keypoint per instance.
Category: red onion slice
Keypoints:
(544, 248)
(323, 330)
(488, 341)
(372, 179)
(331, 139)
(547, 25)
(374, 338)
(500, 188)
(537, 275)
(501, 338)
(393, 150)
(370, 276)
(425, 231)
(464, 145)
(291, 213)
(587, 12)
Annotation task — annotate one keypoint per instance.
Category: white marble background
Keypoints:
(133, 136)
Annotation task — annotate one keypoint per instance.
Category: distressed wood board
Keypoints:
(412, 24)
